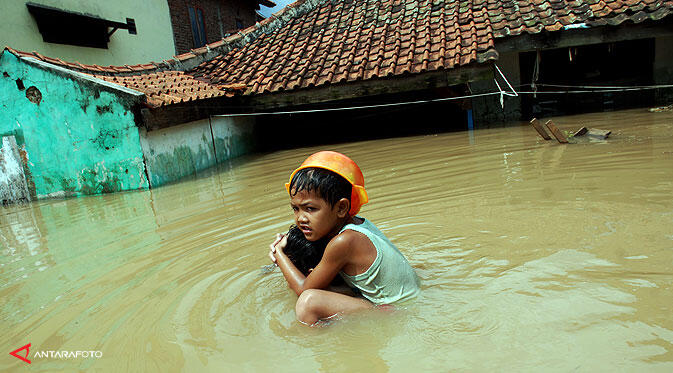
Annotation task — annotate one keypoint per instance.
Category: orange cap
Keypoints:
(342, 165)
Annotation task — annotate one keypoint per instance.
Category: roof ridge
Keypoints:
(117, 70)
(197, 56)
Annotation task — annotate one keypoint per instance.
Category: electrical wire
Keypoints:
(587, 89)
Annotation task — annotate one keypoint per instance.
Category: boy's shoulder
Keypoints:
(351, 251)
(348, 241)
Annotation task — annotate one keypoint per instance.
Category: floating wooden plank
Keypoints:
(538, 127)
(593, 132)
(601, 134)
(556, 132)
(580, 132)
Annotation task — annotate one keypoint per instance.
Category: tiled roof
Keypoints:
(93, 69)
(160, 87)
(337, 41)
(172, 87)
(516, 17)
(313, 43)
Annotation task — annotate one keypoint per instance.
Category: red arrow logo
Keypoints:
(24, 358)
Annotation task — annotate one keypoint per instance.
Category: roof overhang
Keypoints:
(374, 87)
(585, 36)
(166, 116)
(66, 27)
(266, 3)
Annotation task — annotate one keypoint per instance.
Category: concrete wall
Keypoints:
(233, 136)
(77, 134)
(175, 152)
(663, 68)
(13, 187)
(487, 110)
(178, 151)
(153, 42)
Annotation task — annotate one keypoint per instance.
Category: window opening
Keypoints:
(198, 26)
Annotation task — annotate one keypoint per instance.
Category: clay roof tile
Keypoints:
(314, 43)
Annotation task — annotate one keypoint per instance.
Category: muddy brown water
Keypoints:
(533, 256)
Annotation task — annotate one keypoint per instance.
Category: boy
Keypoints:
(326, 193)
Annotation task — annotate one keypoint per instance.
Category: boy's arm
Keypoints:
(335, 257)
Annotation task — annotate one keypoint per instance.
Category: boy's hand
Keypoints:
(278, 244)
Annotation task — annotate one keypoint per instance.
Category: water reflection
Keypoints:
(532, 255)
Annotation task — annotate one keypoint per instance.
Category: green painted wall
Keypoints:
(77, 133)
(486, 110)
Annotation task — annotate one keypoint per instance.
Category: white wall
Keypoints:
(153, 42)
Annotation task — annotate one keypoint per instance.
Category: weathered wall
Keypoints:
(663, 68)
(77, 133)
(175, 152)
(153, 42)
(487, 110)
(13, 187)
(233, 136)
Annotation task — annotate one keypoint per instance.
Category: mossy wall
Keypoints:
(232, 136)
(76, 134)
(179, 151)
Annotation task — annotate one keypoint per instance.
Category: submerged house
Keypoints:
(78, 133)
(91, 129)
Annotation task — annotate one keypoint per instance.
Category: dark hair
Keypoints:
(302, 252)
(305, 254)
(328, 185)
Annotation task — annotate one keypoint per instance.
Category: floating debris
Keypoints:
(661, 109)
(266, 269)
(593, 132)
(556, 132)
(563, 138)
(538, 127)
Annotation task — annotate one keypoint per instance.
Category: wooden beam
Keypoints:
(384, 86)
(556, 132)
(538, 127)
(593, 132)
(577, 37)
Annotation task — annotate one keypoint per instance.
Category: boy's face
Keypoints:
(314, 216)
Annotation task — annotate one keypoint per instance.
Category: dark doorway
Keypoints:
(625, 63)
(331, 127)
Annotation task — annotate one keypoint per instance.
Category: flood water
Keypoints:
(533, 256)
